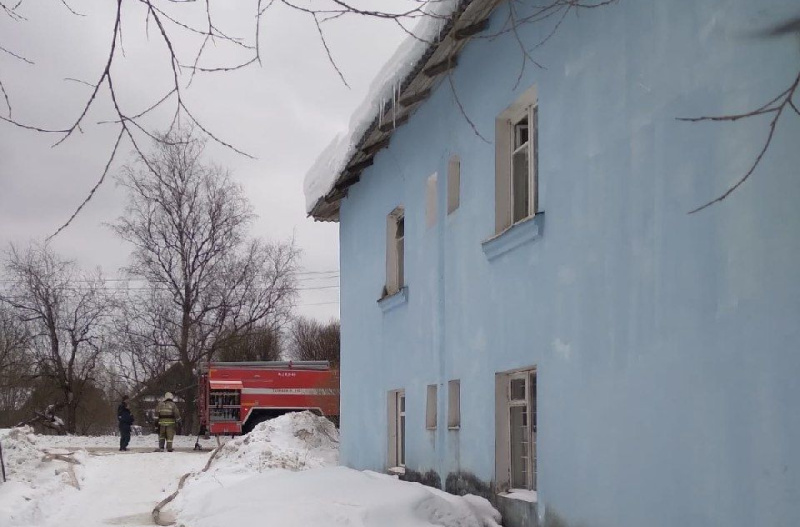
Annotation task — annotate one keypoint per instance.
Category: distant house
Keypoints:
(535, 316)
(147, 395)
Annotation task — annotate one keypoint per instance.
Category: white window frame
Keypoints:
(431, 403)
(506, 125)
(397, 428)
(395, 251)
(454, 404)
(504, 462)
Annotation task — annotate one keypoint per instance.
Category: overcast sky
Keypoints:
(283, 112)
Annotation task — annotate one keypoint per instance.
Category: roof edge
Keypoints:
(439, 57)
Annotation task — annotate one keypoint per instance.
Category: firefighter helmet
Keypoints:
(168, 396)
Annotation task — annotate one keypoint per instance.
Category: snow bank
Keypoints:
(333, 496)
(283, 473)
(294, 441)
(20, 454)
(33, 473)
(321, 178)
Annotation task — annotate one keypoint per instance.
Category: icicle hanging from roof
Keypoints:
(321, 177)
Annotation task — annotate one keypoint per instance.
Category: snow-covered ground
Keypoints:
(146, 441)
(44, 489)
(283, 473)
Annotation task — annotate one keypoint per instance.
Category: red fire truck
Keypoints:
(235, 396)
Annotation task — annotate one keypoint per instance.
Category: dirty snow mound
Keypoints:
(295, 441)
(20, 454)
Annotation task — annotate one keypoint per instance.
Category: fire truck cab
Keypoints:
(235, 396)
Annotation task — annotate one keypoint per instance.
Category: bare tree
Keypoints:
(141, 338)
(207, 284)
(64, 311)
(261, 344)
(313, 340)
(14, 387)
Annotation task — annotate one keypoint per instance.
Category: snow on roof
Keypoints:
(321, 177)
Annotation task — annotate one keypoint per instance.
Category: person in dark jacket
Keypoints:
(125, 420)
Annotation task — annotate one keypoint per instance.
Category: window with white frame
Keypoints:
(397, 428)
(454, 404)
(515, 447)
(516, 161)
(430, 407)
(395, 250)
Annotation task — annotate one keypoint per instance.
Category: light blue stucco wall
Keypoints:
(667, 344)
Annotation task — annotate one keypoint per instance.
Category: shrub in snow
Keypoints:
(430, 478)
(462, 483)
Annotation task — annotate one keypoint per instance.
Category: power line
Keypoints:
(118, 280)
(115, 290)
(105, 282)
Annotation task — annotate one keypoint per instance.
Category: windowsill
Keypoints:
(531, 496)
(515, 236)
(392, 301)
(396, 471)
(454, 428)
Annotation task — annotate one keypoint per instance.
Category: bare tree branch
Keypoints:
(775, 106)
(176, 25)
(94, 188)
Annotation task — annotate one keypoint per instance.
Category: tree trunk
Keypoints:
(189, 396)
(71, 417)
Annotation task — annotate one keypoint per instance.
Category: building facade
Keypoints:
(529, 310)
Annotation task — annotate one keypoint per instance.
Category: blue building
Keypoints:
(528, 309)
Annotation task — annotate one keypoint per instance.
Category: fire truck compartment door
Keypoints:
(226, 385)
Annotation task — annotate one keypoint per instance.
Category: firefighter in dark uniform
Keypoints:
(125, 420)
(168, 416)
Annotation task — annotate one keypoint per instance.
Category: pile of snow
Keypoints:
(334, 496)
(20, 454)
(321, 178)
(294, 441)
(33, 473)
(284, 473)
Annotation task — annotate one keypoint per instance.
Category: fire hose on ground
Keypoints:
(157, 519)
